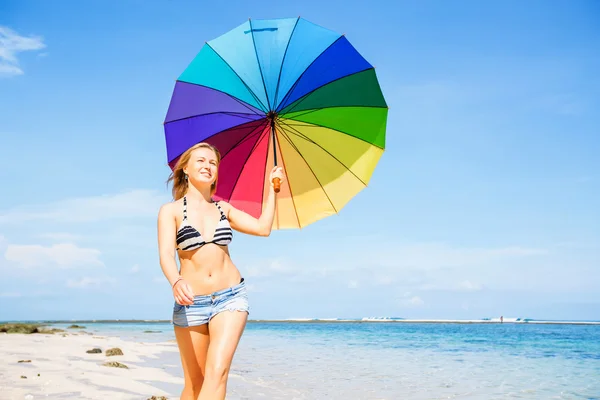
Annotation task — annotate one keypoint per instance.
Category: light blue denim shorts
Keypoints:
(207, 306)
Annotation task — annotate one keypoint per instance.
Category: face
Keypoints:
(202, 166)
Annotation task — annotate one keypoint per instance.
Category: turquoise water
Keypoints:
(382, 360)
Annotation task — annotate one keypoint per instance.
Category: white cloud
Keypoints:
(87, 282)
(11, 43)
(280, 266)
(409, 300)
(9, 70)
(416, 301)
(134, 203)
(470, 286)
(271, 268)
(431, 256)
(410, 266)
(384, 280)
(444, 282)
(64, 255)
(135, 269)
(253, 288)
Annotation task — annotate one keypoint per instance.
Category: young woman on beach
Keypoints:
(211, 304)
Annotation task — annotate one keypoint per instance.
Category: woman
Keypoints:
(211, 304)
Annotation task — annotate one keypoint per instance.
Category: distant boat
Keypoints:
(382, 319)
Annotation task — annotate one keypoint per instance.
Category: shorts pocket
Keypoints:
(177, 307)
(238, 303)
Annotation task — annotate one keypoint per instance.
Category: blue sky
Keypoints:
(485, 203)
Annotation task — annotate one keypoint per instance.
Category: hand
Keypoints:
(182, 292)
(277, 172)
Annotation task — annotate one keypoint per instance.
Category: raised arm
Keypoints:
(245, 223)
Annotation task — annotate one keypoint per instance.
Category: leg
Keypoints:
(193, 346)
(225, 329)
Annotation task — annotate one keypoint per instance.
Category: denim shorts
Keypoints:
(207, 306)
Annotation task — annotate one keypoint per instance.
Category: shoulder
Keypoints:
(168, 209)
(225, 206)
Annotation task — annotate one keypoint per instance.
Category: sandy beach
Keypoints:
(61, 368)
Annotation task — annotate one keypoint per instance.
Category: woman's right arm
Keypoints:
(166, 250)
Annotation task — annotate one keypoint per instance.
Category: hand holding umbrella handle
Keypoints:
(276, 175)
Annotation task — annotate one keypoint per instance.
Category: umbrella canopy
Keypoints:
(282, 92)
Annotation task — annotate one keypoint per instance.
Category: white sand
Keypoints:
(66, 371)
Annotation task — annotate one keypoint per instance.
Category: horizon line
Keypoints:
(330, 320)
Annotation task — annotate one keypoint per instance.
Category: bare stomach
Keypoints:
(208, 269)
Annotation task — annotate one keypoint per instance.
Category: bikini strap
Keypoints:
(184, 208)
(221, 210)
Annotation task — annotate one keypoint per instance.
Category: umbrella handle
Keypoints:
(276, 184)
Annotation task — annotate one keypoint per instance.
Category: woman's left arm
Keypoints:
(245, 223)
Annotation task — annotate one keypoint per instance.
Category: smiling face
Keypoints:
(202, 166)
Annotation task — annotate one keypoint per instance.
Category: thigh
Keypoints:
(193, 347)
(225, 331)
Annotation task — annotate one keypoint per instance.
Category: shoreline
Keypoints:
(319, 320)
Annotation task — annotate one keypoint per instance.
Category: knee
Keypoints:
(194, 384)
(217, 372)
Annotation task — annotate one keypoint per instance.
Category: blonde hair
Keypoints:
(180, 184)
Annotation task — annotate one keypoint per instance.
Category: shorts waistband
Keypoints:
(230, 290)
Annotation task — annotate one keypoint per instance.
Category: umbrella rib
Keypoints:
(244, 138)
(275, 105)
(289, 183)
(301, 135)
(311, 170)
(312, 110)
(237, 179)
(235, 128)
(262, 196)
(244, 83)
(306, 69)
(242, 102)
(327, 127)
(234, 114)
(304, 97)
(259, 67)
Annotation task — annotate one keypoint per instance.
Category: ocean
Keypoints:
(398, 360)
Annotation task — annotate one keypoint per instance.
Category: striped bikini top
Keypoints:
(188, 238)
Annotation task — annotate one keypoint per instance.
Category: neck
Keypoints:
(198, 193)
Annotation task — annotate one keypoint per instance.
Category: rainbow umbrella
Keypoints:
(282, 92)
